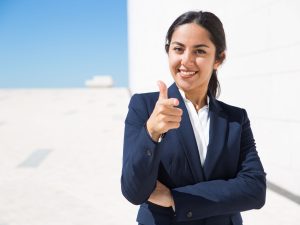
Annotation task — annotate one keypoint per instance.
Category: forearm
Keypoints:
(141, 160)
(219, 197)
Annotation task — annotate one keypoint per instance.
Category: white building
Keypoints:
(99, 81)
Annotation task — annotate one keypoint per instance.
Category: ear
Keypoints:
(220, 60)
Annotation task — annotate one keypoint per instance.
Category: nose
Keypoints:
(187, 58)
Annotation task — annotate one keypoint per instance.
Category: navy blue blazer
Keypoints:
(231, 180)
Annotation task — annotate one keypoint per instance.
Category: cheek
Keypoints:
(205, 63)
(173, 61)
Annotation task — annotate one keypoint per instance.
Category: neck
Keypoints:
(198, 98)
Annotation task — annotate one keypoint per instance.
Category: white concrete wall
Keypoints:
(261, 72)
(148, 22)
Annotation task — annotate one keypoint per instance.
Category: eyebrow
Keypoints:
(195, 46)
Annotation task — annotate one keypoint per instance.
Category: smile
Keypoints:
(186, 74)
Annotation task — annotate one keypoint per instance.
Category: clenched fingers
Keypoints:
(169, 118)
(173, 111)
(168, 102)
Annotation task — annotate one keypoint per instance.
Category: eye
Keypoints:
(178, 49)
(200, 52)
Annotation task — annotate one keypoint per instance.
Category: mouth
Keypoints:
(186, 73)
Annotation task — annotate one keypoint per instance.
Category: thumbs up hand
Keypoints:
(165, 116)
(163, 90)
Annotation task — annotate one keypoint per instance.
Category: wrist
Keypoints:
(154, 135)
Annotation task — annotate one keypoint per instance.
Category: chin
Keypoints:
(184, 85)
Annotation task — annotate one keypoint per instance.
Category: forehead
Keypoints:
(191, 33)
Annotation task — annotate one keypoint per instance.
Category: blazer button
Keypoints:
(189, 214)
(148, 152)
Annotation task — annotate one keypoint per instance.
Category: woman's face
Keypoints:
(191, 57)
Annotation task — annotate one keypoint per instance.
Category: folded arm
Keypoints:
(219, 197)
(141, 155)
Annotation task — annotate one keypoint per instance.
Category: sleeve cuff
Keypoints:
(159, 139)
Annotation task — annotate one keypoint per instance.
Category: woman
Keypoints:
(189, 158)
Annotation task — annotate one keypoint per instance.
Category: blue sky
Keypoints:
(62, 43)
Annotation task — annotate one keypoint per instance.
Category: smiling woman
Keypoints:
(187, 157)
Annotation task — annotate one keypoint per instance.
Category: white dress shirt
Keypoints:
(200, 122)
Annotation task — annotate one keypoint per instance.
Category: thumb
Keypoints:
(163, 90)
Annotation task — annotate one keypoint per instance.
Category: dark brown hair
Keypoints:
(214, 26)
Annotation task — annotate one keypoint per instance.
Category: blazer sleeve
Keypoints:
(218, 197)
(141, 156)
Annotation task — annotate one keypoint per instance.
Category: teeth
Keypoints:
(187, 72)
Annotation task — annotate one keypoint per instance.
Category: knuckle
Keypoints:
(180, 112)
(160, 108)
(168, 102)
(159, 102)
(163, 119)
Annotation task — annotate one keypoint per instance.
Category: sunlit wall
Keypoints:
(261, 72)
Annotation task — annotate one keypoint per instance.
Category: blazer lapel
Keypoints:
(217, 136)
(187, 138)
